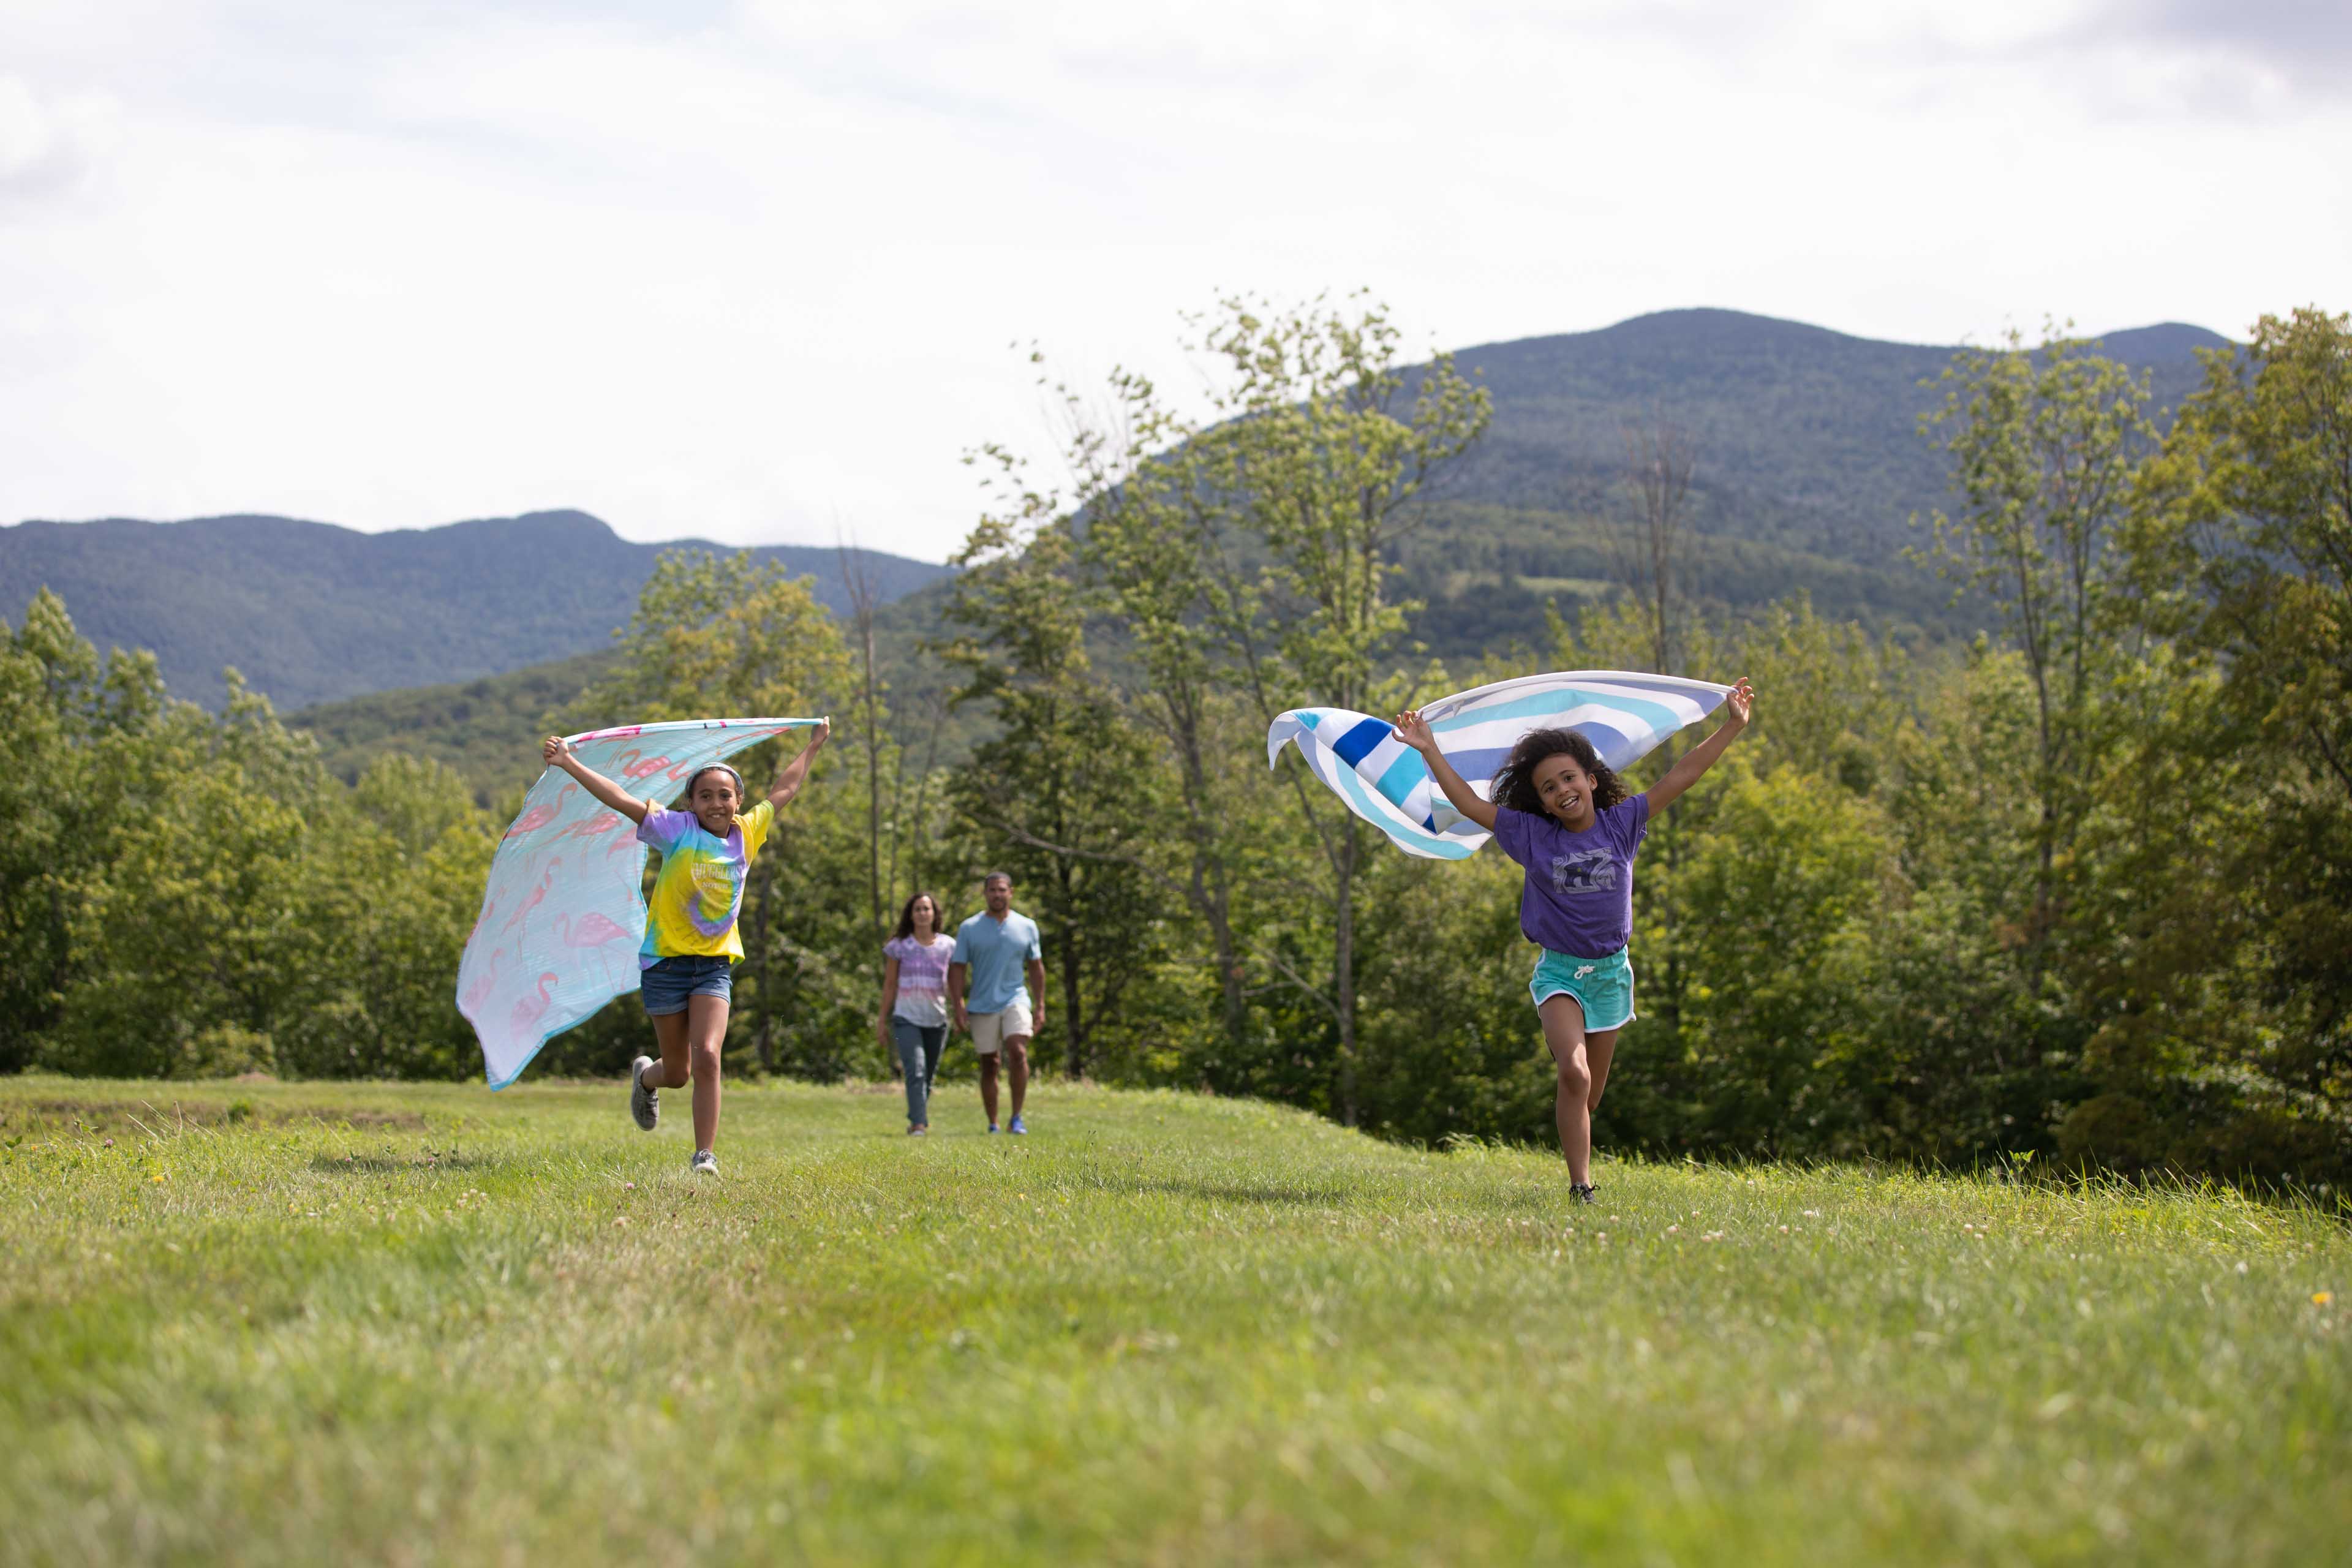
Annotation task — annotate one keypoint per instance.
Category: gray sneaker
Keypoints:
(705, 1163)
(645, 1104)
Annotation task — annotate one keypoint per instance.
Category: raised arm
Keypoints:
(1691, 764)
(788, 783)
(560, 755)
(1413, 731)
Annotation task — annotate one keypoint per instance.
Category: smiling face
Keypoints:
(1566, 791)
(924, 918)
(714, 802)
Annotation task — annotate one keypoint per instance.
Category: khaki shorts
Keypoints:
(991, 1030)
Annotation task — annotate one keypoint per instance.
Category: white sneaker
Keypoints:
(705, 1163)
(645, 1104)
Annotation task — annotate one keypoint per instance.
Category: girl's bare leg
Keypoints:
(669, 1039)
(706, 1032)
(1600, 1048)
(689, 1054)
(1563, 1027)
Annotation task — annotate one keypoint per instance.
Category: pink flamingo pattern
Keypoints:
(537, 896)
(539, 816)
(479, 990)
(524, 979)
(527, 1011)
(593, 929)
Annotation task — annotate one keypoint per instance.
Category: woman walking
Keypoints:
(913, 1023)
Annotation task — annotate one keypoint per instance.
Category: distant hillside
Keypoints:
(488, 729)
(1806, 439)
(1809, 465)
(311, 613)
(484, 727)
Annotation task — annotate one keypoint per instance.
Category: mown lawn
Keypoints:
(343, 1323)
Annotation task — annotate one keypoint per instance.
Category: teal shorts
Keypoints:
(1603, 987)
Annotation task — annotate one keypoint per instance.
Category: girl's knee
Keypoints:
(702, 1059)
(1575, 1076)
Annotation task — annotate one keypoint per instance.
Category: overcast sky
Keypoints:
(752, 271)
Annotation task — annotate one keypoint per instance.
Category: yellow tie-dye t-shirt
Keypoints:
(699, 891)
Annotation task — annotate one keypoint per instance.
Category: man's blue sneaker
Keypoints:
(991, 1127)
(1017, 1125)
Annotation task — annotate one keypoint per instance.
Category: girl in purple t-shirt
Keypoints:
(1560, 813)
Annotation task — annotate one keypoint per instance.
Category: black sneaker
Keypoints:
(1583, 1193)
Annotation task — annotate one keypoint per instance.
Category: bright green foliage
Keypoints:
(191, 894)
(2044, 444)
(730, 629)
(361, 1323)
(2241, 552)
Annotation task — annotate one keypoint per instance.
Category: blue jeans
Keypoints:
(666, 984)
(919, 1059)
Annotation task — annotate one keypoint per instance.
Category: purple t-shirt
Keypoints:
(1580, 893)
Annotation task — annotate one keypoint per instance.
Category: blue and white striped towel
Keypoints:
(1385, 782)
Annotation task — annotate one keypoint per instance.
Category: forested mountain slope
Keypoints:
(1805, 437)
(308, 612)
(1809, 465)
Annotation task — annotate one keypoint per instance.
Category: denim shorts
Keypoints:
(1603, 987)
(668, 984)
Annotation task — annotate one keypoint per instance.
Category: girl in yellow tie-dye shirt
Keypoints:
(691, 944)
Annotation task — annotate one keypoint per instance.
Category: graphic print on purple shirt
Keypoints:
(1578, 898)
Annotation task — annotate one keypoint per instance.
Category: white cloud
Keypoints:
(49, 145)
(743, 272)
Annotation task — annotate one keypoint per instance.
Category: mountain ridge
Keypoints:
(1810, 467)
(312, 612)
(1805, 436)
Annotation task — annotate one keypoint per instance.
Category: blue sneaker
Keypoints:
(991, 1129)
(1017, 1126)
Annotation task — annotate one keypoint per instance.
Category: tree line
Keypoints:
(2080, 892)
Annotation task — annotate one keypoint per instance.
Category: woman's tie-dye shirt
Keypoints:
(699, 890)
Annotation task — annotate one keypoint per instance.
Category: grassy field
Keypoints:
(342, 1322)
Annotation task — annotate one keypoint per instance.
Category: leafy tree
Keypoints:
(1323, 452)
(1066, 788)
(2243, 537)
(48, 676)
(2045, 443)
(2241, 551)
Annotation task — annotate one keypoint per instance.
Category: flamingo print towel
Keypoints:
(565, 910)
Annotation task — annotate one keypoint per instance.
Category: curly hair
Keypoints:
(1515, 782)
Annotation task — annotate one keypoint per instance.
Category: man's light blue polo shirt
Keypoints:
(997, 952)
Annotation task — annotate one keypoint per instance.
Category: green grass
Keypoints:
(340, 1322)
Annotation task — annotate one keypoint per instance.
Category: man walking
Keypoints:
(996, 986)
